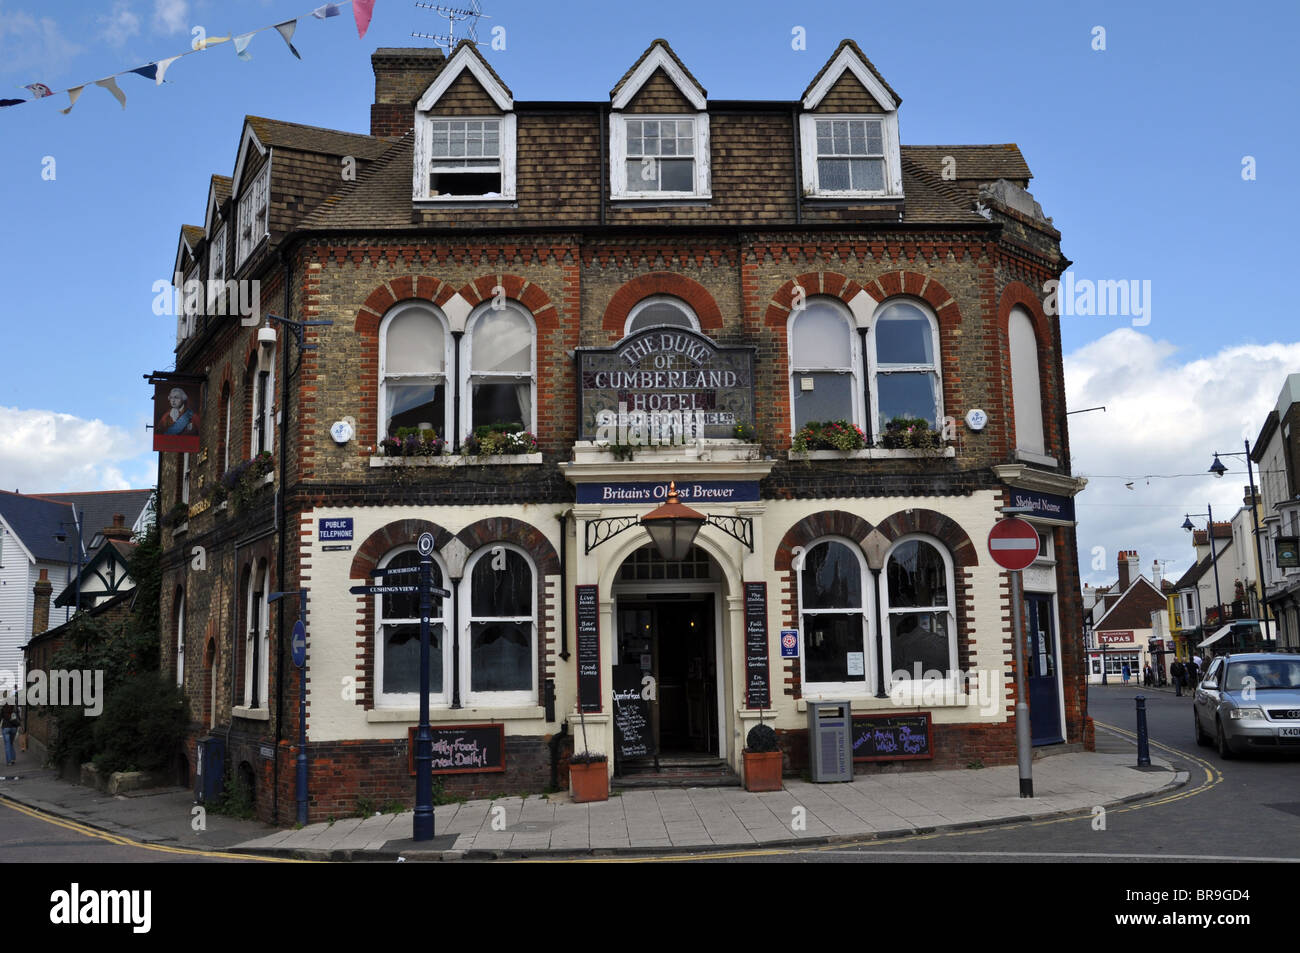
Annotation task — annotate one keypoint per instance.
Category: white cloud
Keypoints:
(33, 45)
(42, 451)
(171, 16)
(1162, 417)
(120, 24)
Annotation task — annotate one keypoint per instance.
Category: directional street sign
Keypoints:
(299, 644)
(1013, 544)
(395, 571)
(381, 590)
(425, 544)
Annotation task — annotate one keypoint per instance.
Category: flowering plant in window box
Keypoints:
(243, 479)
(178, 515)
(493, 440)
(831, 435)
(745, 432)
(910, 433)
(413, 442)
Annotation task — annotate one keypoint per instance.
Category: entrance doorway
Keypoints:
(672, 641)
(1040, 665)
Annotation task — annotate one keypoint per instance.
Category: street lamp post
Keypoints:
(1214, 560)
(1218, 469)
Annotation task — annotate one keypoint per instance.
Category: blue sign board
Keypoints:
(1043, 505)
(789, 643)
(299, 644)
(688, 491)
(334, 527)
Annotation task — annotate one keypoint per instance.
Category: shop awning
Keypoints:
(1216, 636)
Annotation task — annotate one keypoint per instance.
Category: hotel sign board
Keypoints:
(1043, 506)
(662, 385)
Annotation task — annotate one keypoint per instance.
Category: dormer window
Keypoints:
(464, 157)
(254, 209)
(660, 155)
(850, 155)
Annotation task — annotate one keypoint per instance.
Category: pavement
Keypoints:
(632, 822)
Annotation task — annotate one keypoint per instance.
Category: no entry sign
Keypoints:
(1013, 544)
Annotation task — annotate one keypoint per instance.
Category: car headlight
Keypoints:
(1246, 714)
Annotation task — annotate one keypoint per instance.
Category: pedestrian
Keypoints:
(1126, 672)
(1192, 670)
(10, 721)
(1176, 672)
(1146, 676)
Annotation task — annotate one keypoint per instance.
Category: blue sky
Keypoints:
(1137, 152)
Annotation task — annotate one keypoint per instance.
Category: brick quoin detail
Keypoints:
(662, 283)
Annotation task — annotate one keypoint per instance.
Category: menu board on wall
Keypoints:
(588, 623)
(463, 749)
(892, 737)
(758, 692)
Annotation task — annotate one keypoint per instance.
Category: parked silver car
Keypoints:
(1249, 702)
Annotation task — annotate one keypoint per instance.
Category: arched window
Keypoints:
(224, 450)
(833, 601)
(905, 365)
(499, 632)
(824, 359)
(660, 310)
(257, 641)
(1026, 392)
(414, 354)
(262, 437)
(921, 629)
(180, 637)
(499, 368)
(397, 635)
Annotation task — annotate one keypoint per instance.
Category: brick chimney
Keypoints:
(401, 77)
(41, 593)
(1248, 497)
(119, 529)
(1127, 558)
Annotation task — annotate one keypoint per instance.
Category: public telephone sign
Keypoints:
(1013, 544)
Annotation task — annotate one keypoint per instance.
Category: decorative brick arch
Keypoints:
(895, 283)
(389, 293)
(825, 283)
(662, 283)
(505, 529)
(531, 296)
(387, 538)
(1019, 293)
(825, 523)
(930, 523)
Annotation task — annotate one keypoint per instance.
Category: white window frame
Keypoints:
(866, 686)
(618, 182)
(180, 640)
(886, 611)
(258, 638)
(893, 177)
(440, 611)
(253, 215)
(216, 267)
(228, 410)
(873, 366)
(190, 310)
(467, 375)
(185, 477)
(263, 412)
(675, 302)
(494, 699)
(854, 368)
(449, 392)
(424, 162)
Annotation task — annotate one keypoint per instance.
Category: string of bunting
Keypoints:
(361, 12)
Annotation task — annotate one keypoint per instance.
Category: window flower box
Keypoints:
(831, 435)
(911, 433)
(499, 440)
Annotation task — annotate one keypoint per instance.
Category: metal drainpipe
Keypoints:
(564, 586)
(455, 642)
(880, 638)
(798, 162)
(455, 419)
(281, 575)
(602, 117)
(866, 388)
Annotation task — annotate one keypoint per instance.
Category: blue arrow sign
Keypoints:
(299, 643)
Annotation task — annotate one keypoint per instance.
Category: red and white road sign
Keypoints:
(1013, 543)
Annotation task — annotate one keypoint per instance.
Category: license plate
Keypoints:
(1288, 732)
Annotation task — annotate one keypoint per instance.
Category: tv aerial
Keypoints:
(453, 15)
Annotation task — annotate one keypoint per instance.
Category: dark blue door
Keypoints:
(1040, 667)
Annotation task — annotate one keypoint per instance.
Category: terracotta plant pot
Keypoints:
(590, 782)
(762, 770)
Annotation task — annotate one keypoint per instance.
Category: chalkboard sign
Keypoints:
(892, 737)
(632, 731)
(463, 749)
(588, 648)
(758, 692)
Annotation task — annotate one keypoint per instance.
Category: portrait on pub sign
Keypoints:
(176, 417)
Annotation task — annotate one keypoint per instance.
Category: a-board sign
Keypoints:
(588, 626)
(892, 737)
(758, 692)
(633, 734)
(463, 749)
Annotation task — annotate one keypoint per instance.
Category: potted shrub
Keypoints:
(589, 777)
(762, 759)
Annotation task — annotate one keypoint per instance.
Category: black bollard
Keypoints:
(1144, 750)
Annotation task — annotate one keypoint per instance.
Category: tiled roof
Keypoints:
(929, 198)
(1133, 609)
(35, 521)
(292, 135)
(667, 49)
(983, 163)
(1193, 574)
(862, 56)
(221, 187)
(100, 507)
(192, 234)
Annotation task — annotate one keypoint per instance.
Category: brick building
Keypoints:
(541, 314)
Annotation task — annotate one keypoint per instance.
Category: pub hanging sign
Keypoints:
(664, 385)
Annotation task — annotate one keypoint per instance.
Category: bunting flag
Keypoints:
(285, 30)
(73, 95)
(361, 12)
(110, 84)
(241, 46)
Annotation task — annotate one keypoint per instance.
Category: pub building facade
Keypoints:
(516, 326)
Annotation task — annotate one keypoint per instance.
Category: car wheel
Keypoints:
(1224, 751)
(1202, 738)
